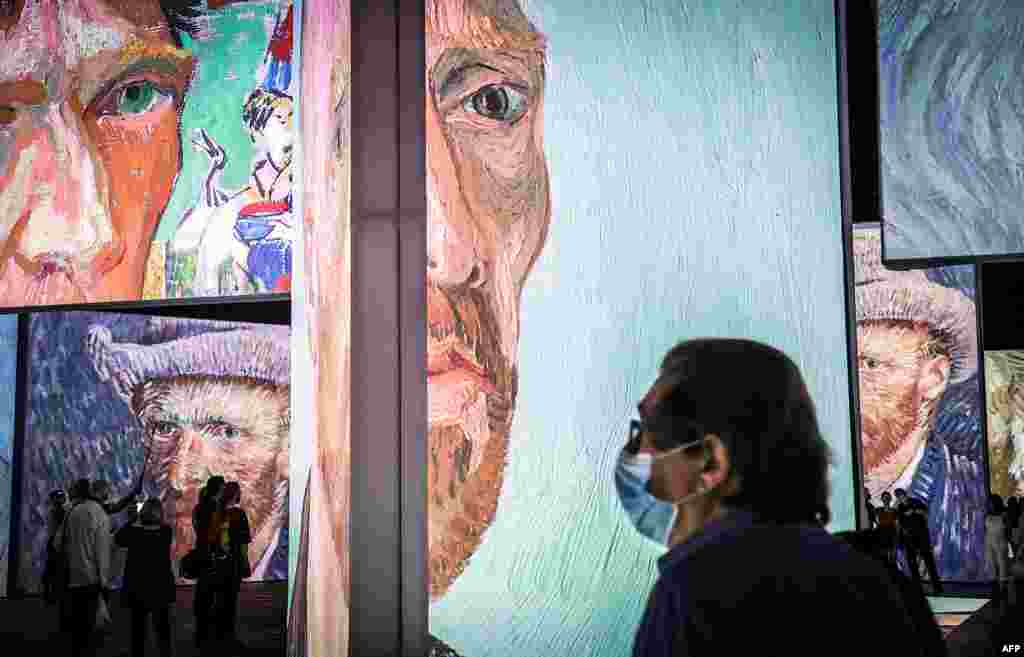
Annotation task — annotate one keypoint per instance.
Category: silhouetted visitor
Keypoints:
(870, 508)
(234, 539)
(87, 541)
(887, 520)
(149, 587)
(915, 538)
(209, 587)
(997, 553)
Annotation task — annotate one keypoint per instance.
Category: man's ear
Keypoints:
(718, 465)
(934, 378)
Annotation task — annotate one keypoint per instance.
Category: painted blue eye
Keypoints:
(499, 102)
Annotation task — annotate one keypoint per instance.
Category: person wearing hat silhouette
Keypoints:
(916, 345)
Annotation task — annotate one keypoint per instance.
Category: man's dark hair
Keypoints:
(80, 489)
(753, 397)
(232, 490)
(181, 16)
(995, 504)
(213, 486)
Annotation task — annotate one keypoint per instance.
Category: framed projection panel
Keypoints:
(596, 196)
(160, 166)
(1004, 395)
(319, 582)
(921, 408)
(8, 383)
(951, 84)
(171, 401)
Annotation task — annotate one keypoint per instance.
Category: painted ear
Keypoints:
(934, 378)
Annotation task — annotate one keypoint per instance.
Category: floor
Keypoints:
(30, 626)
(974, 626)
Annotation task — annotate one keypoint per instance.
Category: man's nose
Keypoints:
(453, 238)
(67, 216)
(181, 473)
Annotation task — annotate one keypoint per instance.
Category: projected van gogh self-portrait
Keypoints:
(168, 401)
(1004, 398)
(100, 101)
(594, 197)
(920, 400)
(488, 186)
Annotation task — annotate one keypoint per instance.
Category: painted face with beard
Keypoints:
(91, 92)
(901, 380)
(198, 426)
(488, 217)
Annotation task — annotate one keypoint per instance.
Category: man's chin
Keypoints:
(462, 501)
(58, 288)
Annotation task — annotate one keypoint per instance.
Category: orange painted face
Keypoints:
(487, 185)
(89, 146)
(894, 381)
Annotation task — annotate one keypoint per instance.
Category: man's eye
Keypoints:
(137, 98)
(870, 363)
(499, 102)
(164, 429)
(7, 115)
(223, 430)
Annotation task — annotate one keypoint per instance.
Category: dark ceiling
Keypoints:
(1002, 284)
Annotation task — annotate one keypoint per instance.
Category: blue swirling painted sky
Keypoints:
(952, 127)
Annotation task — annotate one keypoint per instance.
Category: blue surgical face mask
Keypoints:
(653, 517)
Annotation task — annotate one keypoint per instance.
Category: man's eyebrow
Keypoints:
(456, 76)
(138, 55)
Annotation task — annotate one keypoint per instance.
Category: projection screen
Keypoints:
(951, 139)
(921, 408)
(171, 401)
(605, 180)
(163, 167)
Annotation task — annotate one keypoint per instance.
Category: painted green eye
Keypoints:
(500, 102)
(137, 98)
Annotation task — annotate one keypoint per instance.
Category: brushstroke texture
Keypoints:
(951, 98)
(319, 605)
(693, 157)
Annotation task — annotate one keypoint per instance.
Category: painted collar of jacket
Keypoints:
(929, 481)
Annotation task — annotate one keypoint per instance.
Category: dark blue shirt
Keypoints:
(743, 586)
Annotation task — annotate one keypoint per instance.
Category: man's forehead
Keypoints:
(487, 24)
(892, 330)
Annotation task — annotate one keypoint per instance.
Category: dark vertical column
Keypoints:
(843, 36)
(412, 236)
(376, 575)
(21, 391)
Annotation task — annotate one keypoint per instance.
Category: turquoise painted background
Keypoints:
(229, 61)
(693, 150)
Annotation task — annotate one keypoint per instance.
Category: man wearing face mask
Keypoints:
(730, 473)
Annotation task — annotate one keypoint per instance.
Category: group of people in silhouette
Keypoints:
(79, 578)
